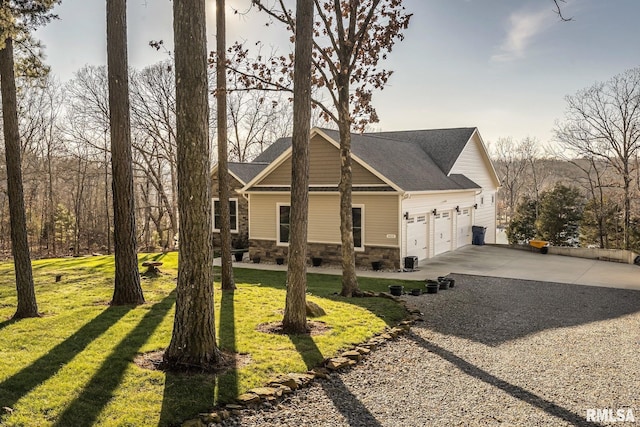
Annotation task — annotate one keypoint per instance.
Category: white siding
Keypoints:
(474, 164)
(424, 204)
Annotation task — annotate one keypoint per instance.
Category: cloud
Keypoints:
(524, 26)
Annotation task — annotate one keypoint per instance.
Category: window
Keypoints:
(233, 214)
(284, 215)
(358, 226)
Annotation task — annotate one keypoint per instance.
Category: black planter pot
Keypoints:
(452, 283)
(396, 290)
(376, 265)
(256, 260)
(444, 284)
(316, 262)
(432, 286)
(416, 292)
(238, 256)
(280, 261)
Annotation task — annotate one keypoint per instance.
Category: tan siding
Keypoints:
(324, 168)
(279, 176)
(381, 218)
(262, 223)
(324, 218)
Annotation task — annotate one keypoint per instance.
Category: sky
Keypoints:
(504, 66)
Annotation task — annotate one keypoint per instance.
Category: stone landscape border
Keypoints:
(286, 384)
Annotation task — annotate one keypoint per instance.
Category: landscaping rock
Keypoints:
(363, 350)
(212, 417)
(314, 310)
(266, 392)
(320, 373)
(196, 422)
(248, 398)
(353, 355)
(337, 363)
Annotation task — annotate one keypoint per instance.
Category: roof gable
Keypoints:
(420, 160)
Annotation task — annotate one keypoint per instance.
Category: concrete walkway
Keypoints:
(499, 261)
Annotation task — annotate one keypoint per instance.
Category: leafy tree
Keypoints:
(17, 18)
(599, 223)
(523, 224)
(350, 39)
(193, 341)
(559, 215)
(603, 122)
(295, 317)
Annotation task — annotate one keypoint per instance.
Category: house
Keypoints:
(415, 194)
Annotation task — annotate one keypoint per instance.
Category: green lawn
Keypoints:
(74, 366)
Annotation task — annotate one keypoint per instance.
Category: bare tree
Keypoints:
(193, 341)
(153, 120)
(511, 164)
(295, 316)
(223, 167)
(17, 18)
(603, 122)
(127, 289)
(27, 305)
(350, 39)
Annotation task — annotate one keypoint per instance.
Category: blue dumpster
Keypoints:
(478, 235)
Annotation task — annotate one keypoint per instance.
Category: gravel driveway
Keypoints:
(491, 351)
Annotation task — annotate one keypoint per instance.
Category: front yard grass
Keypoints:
(75, 365)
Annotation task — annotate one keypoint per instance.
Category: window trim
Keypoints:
(278, 206)
(362, 227)
(213, 216)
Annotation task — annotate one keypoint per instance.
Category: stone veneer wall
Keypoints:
(331, 254)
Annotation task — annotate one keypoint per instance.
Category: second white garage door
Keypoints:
(442, 233)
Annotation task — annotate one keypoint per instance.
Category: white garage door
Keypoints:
(464, 227)
(417, 236)
(442, 233)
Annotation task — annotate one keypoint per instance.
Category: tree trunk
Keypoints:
(223, 167)
(127, 288)
(349, 279)
(295, 314)
(27, 305)
(193, 342)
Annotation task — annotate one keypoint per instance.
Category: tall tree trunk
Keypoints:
(193, 342)
(127, 289)
(295, 314)
(107, 225)
(27, 305)
(349, 279)
(223, 167)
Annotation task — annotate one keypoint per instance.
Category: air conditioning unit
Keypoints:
(411, 262)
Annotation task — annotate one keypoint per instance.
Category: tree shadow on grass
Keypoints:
(178, 387)
(21, 383)
(85, 409)
(7, 322)
(327, 286)
(511, 389)
(348, 404)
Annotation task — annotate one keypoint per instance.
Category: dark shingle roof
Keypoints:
(413, 160)
(247, 171)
